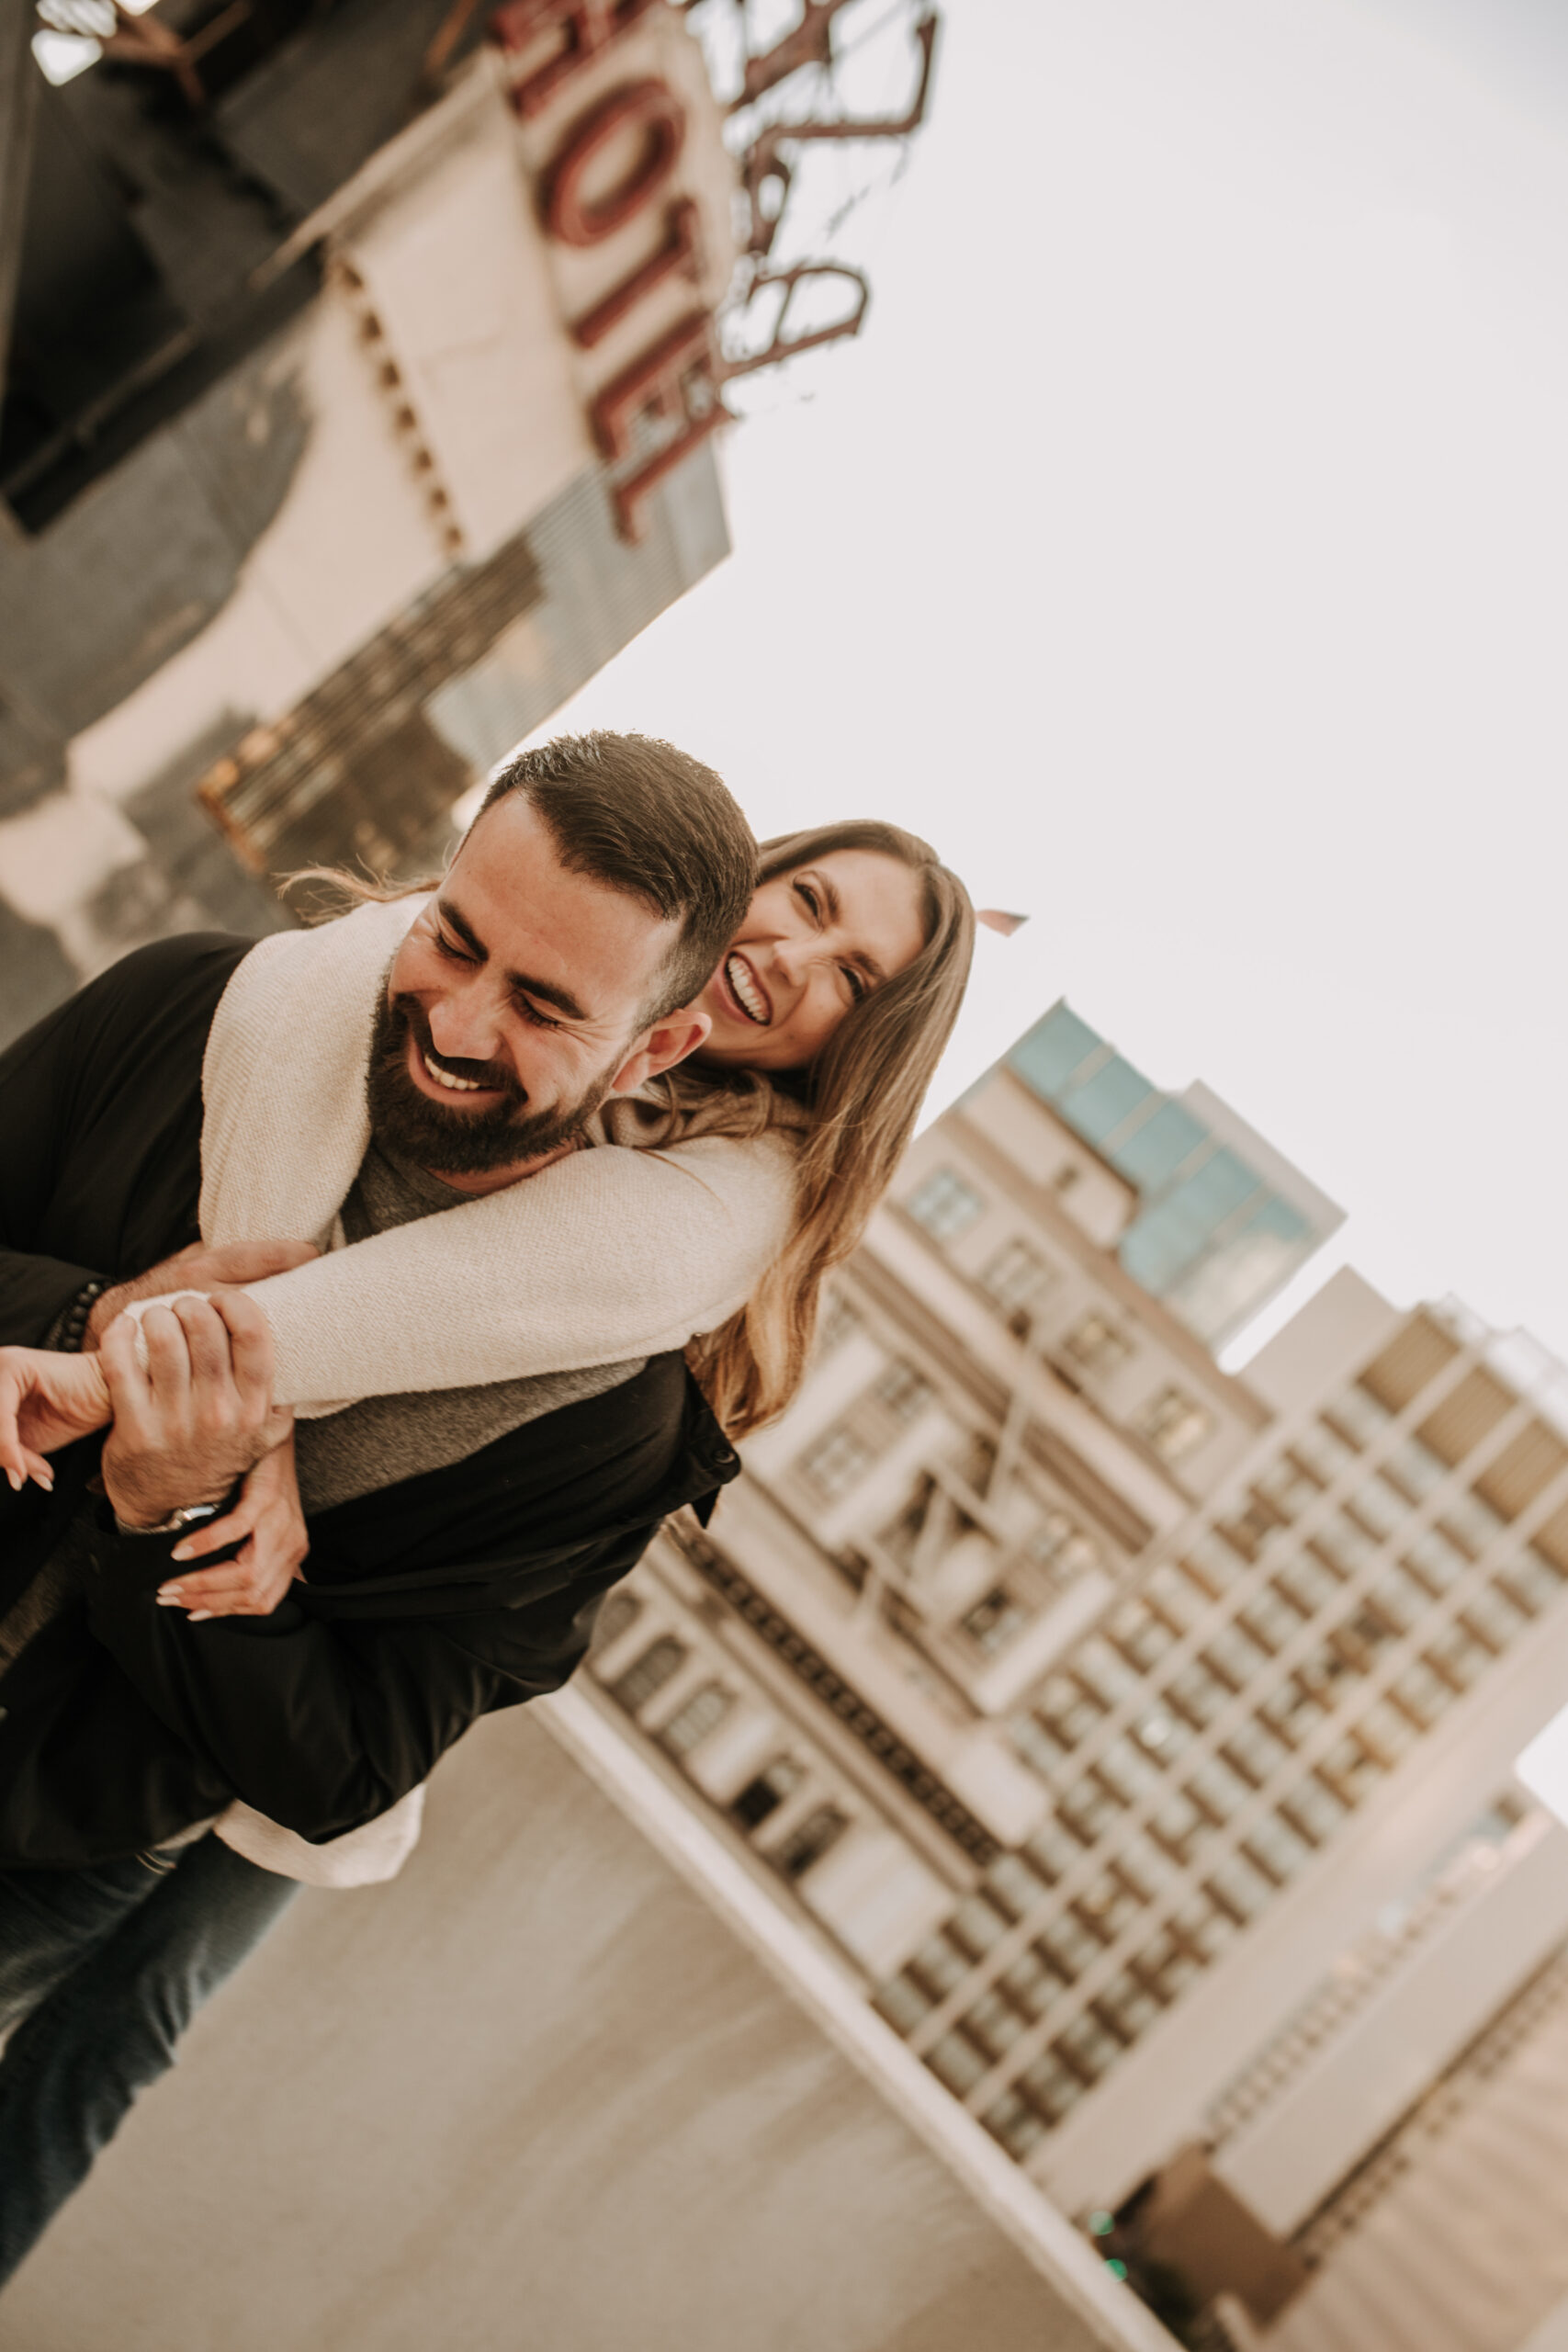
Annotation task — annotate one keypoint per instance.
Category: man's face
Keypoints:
(513, 1007)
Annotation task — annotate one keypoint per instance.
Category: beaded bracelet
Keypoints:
(72, 1330)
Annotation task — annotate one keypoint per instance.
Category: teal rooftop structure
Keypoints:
(1222, 1220)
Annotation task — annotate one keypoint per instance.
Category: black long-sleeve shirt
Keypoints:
(427, 1603)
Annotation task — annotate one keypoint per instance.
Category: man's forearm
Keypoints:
(36, 1295)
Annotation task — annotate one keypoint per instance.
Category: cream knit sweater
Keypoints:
(607, 1255)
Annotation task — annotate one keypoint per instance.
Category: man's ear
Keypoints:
(678, 1034)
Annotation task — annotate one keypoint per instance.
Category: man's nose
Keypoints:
(465, 1026)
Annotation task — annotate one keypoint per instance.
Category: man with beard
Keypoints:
(460, 1541)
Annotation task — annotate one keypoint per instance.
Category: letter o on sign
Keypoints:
(575, 219)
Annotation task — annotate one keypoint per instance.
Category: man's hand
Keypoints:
(200, 1414)
(268, 1517)
(197, 1268)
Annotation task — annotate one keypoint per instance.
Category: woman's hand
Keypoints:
(47, 1400)
(253, 1583)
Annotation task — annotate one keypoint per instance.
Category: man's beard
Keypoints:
(454, 1142)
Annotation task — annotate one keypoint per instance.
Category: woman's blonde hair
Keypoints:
(861, 1098)
(854, 1107)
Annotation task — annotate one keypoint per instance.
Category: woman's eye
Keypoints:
(810, 894)
(857, 983)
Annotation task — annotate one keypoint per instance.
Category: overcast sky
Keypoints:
(1181, 547)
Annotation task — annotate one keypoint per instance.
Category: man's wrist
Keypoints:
(67, 1335)
(140, 1508)
(174, 1523)
(101, 1312)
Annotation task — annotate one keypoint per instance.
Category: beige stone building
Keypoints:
(1140, 1738)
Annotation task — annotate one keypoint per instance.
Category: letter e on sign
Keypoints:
(672, 394)
(577, 217)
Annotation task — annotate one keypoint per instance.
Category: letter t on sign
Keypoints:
(555, 38)
(675, 384)
(677, 255)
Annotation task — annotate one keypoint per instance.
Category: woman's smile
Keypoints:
(749, 997)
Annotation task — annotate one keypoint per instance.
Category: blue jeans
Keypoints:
(105, 1969)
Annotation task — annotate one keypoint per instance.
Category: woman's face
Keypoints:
(818, 939)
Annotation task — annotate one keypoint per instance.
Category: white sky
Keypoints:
(1183, 547)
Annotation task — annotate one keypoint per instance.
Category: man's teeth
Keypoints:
(752, 1002)
(445, 1078)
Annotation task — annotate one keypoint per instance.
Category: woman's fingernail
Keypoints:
(198, 1616)
(15, 1478)
(182, 1552)
(169, 1596)
(44, 1478)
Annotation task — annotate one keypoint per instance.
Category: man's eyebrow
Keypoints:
(464, 929)
(831, 899)
(520, 983)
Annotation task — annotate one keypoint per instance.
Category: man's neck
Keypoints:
(498, 1180)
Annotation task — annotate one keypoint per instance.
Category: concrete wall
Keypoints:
(537, 2092)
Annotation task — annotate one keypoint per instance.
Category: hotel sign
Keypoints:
(612, 160)
(613, 164)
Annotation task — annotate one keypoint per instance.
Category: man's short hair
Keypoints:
(644, 818)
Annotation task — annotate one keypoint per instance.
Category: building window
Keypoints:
(809, 1841)
(902, 1390)
(995, 1622)
(957, 2063)
(1360, 1414)
(703, 1713)
(944, 1204)
(839, 1322)
(620, 1613)
(764, 1795)
(903, 2004)
(1097, 1344)
(1174, 1424)
(650, 1672)
(835, 1462)
(1059, 1544)
(1322, 1451)
(1015, 1276)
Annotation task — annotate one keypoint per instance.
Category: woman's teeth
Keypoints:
(748, 995)
(445, 1078)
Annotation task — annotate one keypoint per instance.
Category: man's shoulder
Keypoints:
(187, 962)
(184, 974)
(145, 1017)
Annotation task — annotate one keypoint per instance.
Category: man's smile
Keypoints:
(436, 1076)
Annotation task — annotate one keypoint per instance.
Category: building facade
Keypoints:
(1139, 1737)
(389, 451)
